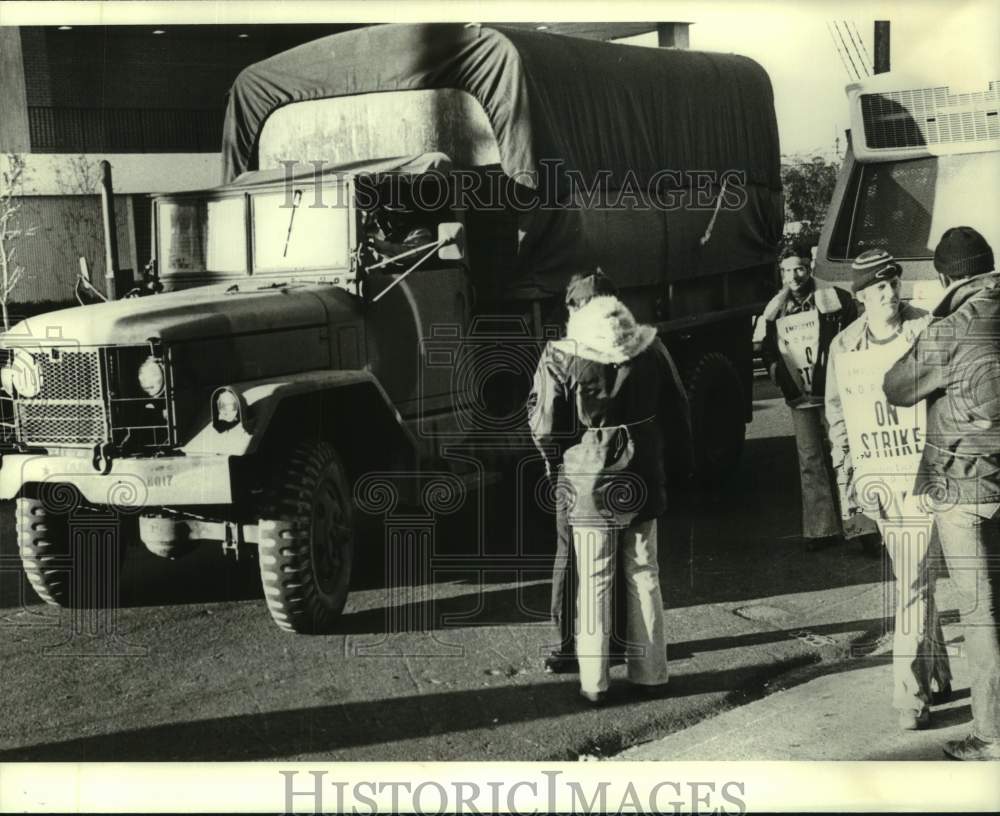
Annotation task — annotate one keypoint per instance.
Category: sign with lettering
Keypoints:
(886, 440)
(798, 343)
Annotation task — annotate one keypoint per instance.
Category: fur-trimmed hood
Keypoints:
(605, 331)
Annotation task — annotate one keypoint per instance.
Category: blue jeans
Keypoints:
(970, 539)
(820, 518)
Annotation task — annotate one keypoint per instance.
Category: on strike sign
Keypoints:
(886, 441)
(798, 341)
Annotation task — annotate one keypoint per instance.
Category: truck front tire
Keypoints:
(306, 540)
(43, 540)
(67, 570)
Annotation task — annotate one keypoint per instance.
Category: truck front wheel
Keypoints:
(80, 570)
(306, 540)
(715, 393)
(44, 545)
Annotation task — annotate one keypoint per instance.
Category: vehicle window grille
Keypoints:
(894, 208)
(930, 116)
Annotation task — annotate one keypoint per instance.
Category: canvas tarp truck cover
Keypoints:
(625, 112)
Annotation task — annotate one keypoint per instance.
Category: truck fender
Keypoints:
(332, 405)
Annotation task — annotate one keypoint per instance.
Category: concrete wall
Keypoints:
(67, 228)
(13, 114)
(61, 174)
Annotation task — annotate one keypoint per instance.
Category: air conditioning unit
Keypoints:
(891, 120)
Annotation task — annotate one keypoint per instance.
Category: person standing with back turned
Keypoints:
(604, 401)
(955, 365)
(582, 288)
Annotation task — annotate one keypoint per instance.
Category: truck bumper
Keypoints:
(132, 483)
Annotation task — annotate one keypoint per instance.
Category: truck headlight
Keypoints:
(151, 377)
(227, 409)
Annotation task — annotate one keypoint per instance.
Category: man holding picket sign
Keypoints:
(955, 366)
(801, 322)
(876, 449)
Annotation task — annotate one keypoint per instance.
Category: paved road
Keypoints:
(447, 669)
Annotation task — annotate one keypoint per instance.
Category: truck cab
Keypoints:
(282, 339)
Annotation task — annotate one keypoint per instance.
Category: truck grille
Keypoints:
(87, 397)
(72, 375)
(69, 408)
(53, 423)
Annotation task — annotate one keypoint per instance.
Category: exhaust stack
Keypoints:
(110, 232)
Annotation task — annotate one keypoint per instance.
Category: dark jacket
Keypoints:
(606, 410)
(837, 310)
(955, 365)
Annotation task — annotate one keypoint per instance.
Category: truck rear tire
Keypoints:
(306, 540)
(715, 393)
(63, 571)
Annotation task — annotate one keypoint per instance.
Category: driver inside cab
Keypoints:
(391, 231)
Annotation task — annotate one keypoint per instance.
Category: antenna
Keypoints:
(864, 48)
(840, 53)
(857, 49)
(851, 58)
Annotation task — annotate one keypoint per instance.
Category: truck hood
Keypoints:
(189, 314)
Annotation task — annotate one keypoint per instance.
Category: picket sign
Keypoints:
(886, 441)
(798, 343)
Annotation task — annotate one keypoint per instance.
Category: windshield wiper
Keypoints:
(296, 198)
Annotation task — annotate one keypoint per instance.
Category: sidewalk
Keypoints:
(833, 711)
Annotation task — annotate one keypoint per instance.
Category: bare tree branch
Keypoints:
(11, 231)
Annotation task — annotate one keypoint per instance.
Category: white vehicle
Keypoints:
(922, 157)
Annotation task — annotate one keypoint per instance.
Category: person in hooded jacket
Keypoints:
(582, 288)
(604, 403)
(955, 365)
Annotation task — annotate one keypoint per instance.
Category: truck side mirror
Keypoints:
(451, 236)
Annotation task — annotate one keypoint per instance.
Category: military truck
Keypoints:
(298, 354)
(922, 157)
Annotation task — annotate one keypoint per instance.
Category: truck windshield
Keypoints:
(198, 236)
(291, 232)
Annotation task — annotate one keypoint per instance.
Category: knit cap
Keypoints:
(963, 252)
(872, 266)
